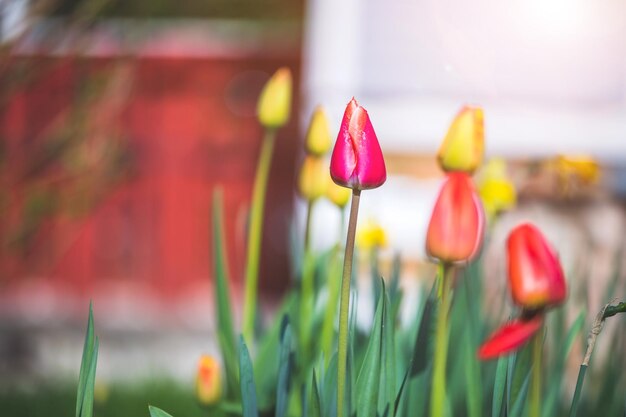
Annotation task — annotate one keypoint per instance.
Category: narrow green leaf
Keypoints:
(523, 364)
(367, 382)
(424, 335)
(333, 284)
(394, 282)
(86, 409)
(246, 381)
(351, 382)
(225, 327)
(307, 304)
(473, 381)
(85, 363)
(316, 403)
(395, 293)
(520, 400)
(551, 400)
(388, 392)
(282, 389)
(498, 387)
(572, 333)
(157, 412)
(329, 388)
(267, 356)
(401, 389)
(509, 380)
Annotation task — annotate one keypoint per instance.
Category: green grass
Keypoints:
(116, 400)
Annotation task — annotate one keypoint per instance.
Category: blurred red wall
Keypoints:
(188, 126)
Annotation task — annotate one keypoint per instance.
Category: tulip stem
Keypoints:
(607, 311)
(535, 393)
(307, 226)
(344, 303)
(254, 235)
(438, 392)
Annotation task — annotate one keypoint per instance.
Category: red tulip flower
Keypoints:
(535, 273)
(537, 282)
(357, 160)
(455, 232)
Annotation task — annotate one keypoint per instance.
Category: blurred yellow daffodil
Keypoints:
(496, 189)
(370, 235)
(582, 168)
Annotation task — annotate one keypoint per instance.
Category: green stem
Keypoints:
(345, 303)
(307, 299)
(438, 392)
(332, 283)
(307, 227)
(612, 310)
(254, 235)
(608, 311)
(535, 393)
(579, 386)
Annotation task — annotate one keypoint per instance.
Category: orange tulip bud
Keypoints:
(318, 140)
(313, 178)
(208, 380)
(455, 232)
(463, 147)
(274, 104)
(535, 274)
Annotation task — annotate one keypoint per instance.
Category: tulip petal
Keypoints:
(509, 337)
(463, 147)
(535, 274)
(455, 231)
(357, 160)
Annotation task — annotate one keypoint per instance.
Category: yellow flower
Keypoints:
(337, 194)
(313, 178)
(274, 104)
(463, 147)
(101, 392)
(318, 140)
(371, 235)
(581, 167)
(208, 380)
(496, 189)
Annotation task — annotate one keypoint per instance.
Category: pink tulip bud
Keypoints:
(357, 161)
(455, 232)
(535, 274)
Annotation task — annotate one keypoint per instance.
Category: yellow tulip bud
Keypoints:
(463, 147)
(274, 105)
(337, 194)
(313, 178)
(318, 139)
(496, 189)
(208, 380)
(371, 235)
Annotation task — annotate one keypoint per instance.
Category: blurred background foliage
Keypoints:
(223, 9)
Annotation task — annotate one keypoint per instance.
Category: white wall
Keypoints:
(551, 74)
